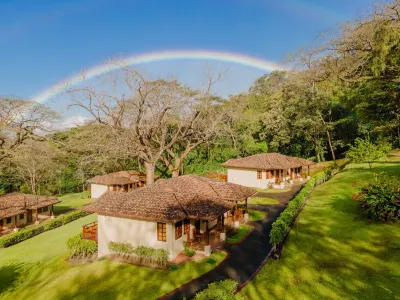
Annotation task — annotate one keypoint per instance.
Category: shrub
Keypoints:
(221, 290)
(230, 230)
(82, 248)
(282, 224)
(72, 216)
(52, 224)
(380, 198)
(120, 248)
(189, 252)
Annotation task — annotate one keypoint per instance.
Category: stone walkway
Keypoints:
(245, 258)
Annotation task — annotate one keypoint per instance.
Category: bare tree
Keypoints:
(22, 120)
(148, 117)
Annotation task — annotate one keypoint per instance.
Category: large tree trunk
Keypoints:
(149, 172)
(175, 173)
(330, 144)
(176, 167)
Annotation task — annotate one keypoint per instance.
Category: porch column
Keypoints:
(15, 221)
(207, 234)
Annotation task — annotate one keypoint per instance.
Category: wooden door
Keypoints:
(29, 216)
(197, 225)
(1, 225)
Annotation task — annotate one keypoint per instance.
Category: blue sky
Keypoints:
(43, 42)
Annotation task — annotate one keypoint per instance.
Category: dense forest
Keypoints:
(343, 87)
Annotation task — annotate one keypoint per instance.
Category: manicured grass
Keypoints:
(334, 255)
(262, 200)
(256, 215)
(237, 238)
(37, 269)
(273, 191)
(72, 202)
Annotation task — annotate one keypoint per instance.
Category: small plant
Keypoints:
(81, 248)
(230, 230)
(380, 198)
(189, 252)
(221, 290)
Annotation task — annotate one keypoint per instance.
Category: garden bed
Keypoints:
(242, 232)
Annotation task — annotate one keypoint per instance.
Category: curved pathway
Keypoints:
(245, 258)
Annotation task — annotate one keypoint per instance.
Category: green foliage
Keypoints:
(27, 233)
(78, 247)
(380, 198)
(230, 230)
(146, 255)
(189, 252)
(220, 290)
(120, 248)
(365, 151)
(282, 224)
(240, 234)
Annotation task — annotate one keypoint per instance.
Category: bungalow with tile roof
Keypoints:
(167, 213)
(117, 181)
(260, 170)
(17, 209)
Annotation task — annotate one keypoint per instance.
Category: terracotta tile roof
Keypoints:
(267, 161)
(173, 199)
(16, 203)
(118, 178)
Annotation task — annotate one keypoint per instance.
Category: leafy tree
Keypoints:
(364, 151)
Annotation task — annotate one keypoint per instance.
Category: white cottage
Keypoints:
(166, 213)
(260, 170)
(18, 209)
(118, 181)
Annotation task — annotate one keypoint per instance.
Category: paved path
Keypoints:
(244, 258)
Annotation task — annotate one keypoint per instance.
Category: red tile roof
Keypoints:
(17, 203)
(174, 199)
(267, 161)
(118, 178)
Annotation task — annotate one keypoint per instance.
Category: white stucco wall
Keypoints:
(97, 190)
(12, 224)
(248, 178)
(135, 232)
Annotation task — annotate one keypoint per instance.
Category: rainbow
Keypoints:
(253, 62)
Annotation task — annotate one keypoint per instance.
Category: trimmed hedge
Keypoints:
(82, 248)
(27, 233)
(221, 290)
(282, 224)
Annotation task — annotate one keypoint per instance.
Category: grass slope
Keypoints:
(334, 256)
(71, 202)
(262, 200)
(37, 269)
(242, 233)
(256, 215)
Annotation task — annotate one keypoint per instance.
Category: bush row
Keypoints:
(27, 233)
(82, 248)
(282, 224)
(146, 255)
(222, 290)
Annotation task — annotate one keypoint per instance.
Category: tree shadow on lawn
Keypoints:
(10, 275)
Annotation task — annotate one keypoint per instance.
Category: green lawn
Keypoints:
(37, 269)
(237, 238)
(273, 191)
(334, 256)
(262, 200)
(71, 202)
(255, 215)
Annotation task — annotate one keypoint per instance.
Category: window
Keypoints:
(259, 174)
(8, 220)
(162, 232)
(21, 216)
(187, 226)
(46, 208)
(178, 230)
(39, 210)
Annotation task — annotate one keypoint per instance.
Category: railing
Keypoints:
(89, 231)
